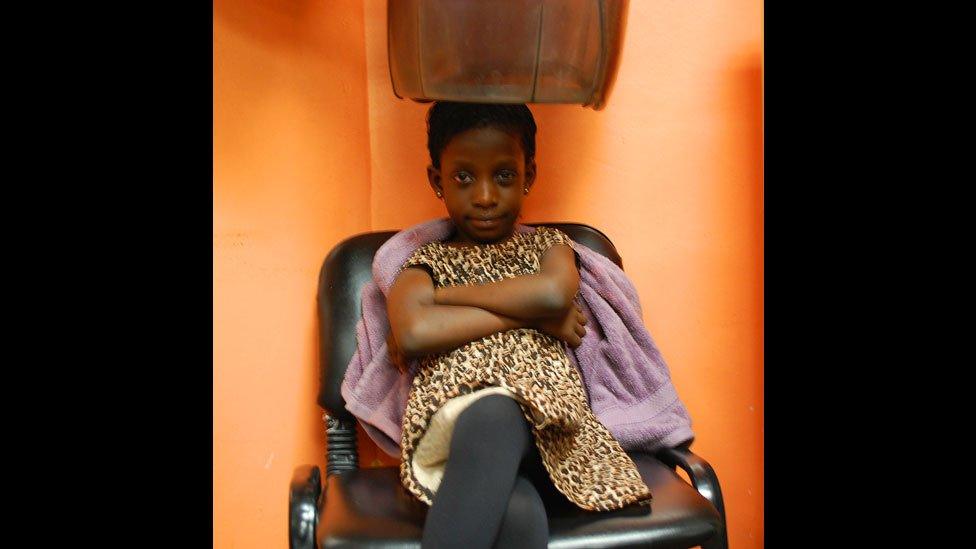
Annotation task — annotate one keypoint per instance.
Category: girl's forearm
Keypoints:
(525, 297)
(439, 328)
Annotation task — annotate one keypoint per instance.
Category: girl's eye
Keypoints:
(505, 176)
(463, 178)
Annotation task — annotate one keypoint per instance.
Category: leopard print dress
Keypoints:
(584, 461)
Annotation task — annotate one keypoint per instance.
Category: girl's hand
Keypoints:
(396, 355)
(568, 327)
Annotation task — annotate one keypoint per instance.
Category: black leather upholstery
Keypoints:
(355, 507)
(370, 508)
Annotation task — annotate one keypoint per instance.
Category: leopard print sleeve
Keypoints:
(547, 237)
(422, 258)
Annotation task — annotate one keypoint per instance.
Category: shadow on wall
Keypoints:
(746, 128)
(733, 202)
(316, 429)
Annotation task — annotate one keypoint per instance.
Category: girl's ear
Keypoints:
(434, 178)
(529, 174)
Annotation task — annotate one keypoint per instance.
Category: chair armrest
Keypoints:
(303, 509)
(704, 479)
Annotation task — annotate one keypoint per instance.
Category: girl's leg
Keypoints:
(525, 525)
(533, 470)
(489, 441)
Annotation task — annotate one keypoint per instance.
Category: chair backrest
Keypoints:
(344, 272)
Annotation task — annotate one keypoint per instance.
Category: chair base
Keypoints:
(370, 508)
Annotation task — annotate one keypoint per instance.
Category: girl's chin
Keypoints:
(484, 232)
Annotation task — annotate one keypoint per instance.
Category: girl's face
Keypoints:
(484, 178)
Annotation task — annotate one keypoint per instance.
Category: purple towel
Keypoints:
(627, 382)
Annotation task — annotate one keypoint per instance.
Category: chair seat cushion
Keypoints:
(370, 508)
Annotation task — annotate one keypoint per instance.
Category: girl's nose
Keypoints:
(486, 195)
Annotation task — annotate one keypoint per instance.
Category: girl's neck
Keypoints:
(456, 241)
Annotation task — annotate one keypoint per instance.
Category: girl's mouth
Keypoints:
(490, 223)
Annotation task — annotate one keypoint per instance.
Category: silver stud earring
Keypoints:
(439, 195)
(526, 190)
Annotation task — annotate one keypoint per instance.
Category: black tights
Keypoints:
(486, 497)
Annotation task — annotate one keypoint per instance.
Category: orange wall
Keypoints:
(310, 146)
(290, 180)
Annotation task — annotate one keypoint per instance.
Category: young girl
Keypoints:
(497, 412)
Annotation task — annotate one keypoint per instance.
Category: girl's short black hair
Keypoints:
(446, 119)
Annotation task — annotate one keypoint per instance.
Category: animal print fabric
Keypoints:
(584, 461)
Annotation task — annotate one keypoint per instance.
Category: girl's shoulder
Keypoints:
(429, 248)
(547, 237)
(426, 255)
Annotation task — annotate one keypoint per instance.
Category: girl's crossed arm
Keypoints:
(420, 326)
(549, 293)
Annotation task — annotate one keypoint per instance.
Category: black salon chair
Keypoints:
(356, 507)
